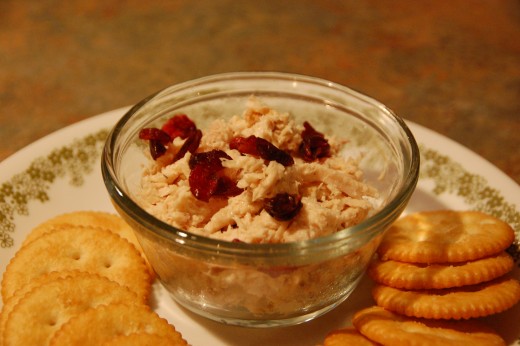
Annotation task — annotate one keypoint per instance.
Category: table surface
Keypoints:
(454, 67)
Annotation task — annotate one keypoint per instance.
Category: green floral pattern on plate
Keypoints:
(71, 162)
(76, 160)
(450, 177)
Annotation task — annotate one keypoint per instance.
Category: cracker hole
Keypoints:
(107, 264)
(51, 322)
(76, 256)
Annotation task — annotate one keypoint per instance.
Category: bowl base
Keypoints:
(261, 322)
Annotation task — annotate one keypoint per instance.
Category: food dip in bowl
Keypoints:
(259, 198)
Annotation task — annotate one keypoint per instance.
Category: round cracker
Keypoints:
(19, 294)
(88, 218)
(393, 329)
(453, 303)
(415, 276)
(42, 311)
(97, 219)
(347, 336)
(94, 251)
(110, 321)
(445, 237)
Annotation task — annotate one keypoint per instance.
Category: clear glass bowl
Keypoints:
(263, 285)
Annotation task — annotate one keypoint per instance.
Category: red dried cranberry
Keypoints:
(244, 145)
(158, 140)
(154, 134)
(313, 145)
(203, 182)
(157, 149)
(210, 159)
(260, 147)
(206, 177)
(179, 126)
(283, 206)
(227, 187)
(191, 144)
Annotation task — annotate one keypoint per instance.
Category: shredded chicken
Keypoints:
(332, 190)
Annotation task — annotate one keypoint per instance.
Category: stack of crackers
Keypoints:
(81, 279)
(436, 274)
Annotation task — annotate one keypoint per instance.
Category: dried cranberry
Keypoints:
(260, 147)
(209, 159)
(158, 140)
(157, 149)
(283, 206)
(207, 178)
(191, 144)
(179, 126)
(203, 182)
(226, 187)
(313, 145)
(270, 152)
(245, 145)
(154, 134)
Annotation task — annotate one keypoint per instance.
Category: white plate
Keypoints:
(60, 173)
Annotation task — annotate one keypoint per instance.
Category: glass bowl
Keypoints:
(264, 285)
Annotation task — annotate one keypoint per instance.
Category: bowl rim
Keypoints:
(185, 238)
